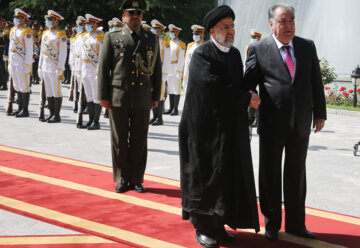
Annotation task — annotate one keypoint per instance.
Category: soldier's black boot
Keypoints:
(20, 105)
(96, 124)
(176, 105)
(155, 114)
(57, 107)
(25, 98)
(91, 111)
(159, 120)
(76, 102)
(51, 107)
(171, 105)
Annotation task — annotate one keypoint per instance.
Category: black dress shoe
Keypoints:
(224, 236)
(138, 188)
(302, 233)
(122, 187)
(205, 240)
(271, 234)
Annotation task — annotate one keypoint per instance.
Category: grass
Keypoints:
(351, 108)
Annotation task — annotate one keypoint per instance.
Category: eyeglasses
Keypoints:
(137, 12)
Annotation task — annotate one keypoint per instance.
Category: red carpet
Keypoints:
(80, 196)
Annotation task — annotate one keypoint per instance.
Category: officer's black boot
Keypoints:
(25, 98)
(20, 105)
(51, 107)
(91, 111)
(57, 107)
(96, 124)
(155, 114)
(159, 120)
(171, 96)
(176, 105)
(106, 114)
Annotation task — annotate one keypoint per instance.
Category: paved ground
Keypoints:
(333, 172)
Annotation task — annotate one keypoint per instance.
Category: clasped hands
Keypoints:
(254, 101)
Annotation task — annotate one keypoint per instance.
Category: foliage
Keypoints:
(340, 96)
(328, 74)
(182, 13)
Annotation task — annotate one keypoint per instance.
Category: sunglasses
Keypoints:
(137, 12)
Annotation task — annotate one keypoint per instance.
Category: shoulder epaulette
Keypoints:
(165, 42)
(26, 31)
(12, 28)
(182, 45)
(77, 35)
(83, 34)
(100, 36)
(190, 45)
(61, 33)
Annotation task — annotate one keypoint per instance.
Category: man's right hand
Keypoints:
(106, 104)
(254, 101)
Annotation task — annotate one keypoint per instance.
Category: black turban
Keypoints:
(217, 14)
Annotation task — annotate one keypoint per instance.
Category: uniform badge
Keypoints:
(28, 36)
(117, 43)
(135, 4)
(150, 53)
(63, 39)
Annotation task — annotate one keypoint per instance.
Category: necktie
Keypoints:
(288, 60)
(135, 37)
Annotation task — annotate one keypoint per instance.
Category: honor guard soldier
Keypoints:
(20, 61)
(146, 27)
(253, 113)
(90, 52)
(158, 29)
(35, 28)
(52, 63)
(72, 64)
(3, 69)
(117, 24)
(198, 37)
(129, 85)
(80, 33)
(177, 59)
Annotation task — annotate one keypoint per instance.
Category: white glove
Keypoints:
(27, 69)
(5, 58)
(59, 72)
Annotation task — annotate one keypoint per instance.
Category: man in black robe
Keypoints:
(217, 180)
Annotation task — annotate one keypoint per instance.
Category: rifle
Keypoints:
(79, 123)
(42, 101)
(77, 95)
(11, 96)
(71, 96)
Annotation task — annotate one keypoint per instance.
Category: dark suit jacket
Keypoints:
(285, 100)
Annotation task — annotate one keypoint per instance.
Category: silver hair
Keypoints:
(271, 13)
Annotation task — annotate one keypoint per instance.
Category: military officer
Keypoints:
(177, 59)
(20, 61)
(117, 24)
(3, 69)
(52, 63)
(198, 37)
(158, 29)
(90, 52)
(129, 85)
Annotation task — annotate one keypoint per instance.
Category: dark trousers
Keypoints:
(129, 129)
(272, 146)
(206, 224)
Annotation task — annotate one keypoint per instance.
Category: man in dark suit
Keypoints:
(129, 85)
(286, 68)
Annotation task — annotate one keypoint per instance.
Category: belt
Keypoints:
(174, 62)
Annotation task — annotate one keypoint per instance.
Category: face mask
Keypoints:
(196, 38)
(88, 27)
(49, 24)
(172, 35)
(153, 30)
(16, 21)
(115, 28)
(79, 29)
(253, 40)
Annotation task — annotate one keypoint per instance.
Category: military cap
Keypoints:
(116, 22)
(197, 28)
(156, 24)
(19, 12)
(54, 14)
(133, 5)
(100, 28)
(217, 14)
(146, 26)
(91, 18)
(172, 27)
(80, 20)
(2, 20)
(254, 33)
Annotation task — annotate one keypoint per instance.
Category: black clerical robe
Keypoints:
(215, 157)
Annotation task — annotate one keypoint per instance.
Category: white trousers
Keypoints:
(91, 89)
(174, 84)
(21, 81)
(52, 84)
